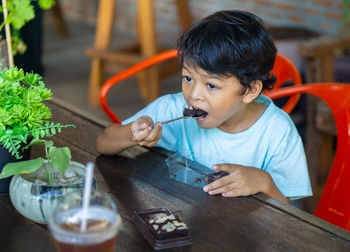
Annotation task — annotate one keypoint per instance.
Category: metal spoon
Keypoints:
(171, 120)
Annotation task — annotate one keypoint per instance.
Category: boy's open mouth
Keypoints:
(195, 112)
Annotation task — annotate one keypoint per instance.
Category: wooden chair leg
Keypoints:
(184, 14)
(96, 77)
(60, 24)
(148, 80)
(327, 68)
(105, 20)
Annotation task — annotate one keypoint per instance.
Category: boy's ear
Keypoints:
(253, 91)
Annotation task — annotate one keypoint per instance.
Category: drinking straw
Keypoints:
(86, 195)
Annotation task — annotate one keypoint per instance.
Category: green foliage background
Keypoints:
(19, 13)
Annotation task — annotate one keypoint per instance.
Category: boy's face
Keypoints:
(221, 97)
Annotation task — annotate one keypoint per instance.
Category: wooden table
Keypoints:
(138, 179)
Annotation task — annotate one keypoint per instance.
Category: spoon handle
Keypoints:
(165, 122)
(182, 117)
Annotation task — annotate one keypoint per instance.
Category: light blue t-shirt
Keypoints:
(272, 143)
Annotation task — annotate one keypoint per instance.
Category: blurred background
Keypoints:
(67, 68)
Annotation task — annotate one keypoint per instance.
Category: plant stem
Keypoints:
(8, 35)
(46, 173)
(50, 171)
(50, 167)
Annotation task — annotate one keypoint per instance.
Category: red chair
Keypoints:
(334, 204)
(283, 69)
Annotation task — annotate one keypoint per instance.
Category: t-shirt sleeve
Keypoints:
(162, 109)
(287, 164)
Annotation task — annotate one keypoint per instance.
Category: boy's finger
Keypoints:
(222, 189)
(140, 135)
(219, 183)
(153, 138)
(225, 167)
(155, 133)
(144, 125)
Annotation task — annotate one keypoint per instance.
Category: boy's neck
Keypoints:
(244, 119)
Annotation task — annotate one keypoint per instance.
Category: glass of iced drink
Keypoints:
(102, 224)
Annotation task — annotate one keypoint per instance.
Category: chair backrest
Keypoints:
(167, 55)
(334, 205)
(283, 69)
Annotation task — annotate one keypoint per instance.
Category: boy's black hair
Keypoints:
(230, 43)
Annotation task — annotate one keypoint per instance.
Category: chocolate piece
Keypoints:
(161, 228)
(217, 175)
(197, 180)
(167, 227)
(194, 112)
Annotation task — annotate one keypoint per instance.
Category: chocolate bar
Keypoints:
(194, 112)
(161, 228)
(167, 227)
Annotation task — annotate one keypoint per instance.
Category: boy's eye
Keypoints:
(187, 78)
(211, 86)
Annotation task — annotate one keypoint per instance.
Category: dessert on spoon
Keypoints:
(189, 112)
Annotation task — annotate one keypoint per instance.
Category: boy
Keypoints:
(226, 60)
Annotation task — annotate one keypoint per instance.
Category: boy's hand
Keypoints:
(144, 132)
(242, 181)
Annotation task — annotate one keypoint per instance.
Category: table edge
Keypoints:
(303, 215)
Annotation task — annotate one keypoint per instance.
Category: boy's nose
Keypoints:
(197, 92)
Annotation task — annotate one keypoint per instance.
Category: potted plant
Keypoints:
(23, 114)
(24, 121)
(39, 184)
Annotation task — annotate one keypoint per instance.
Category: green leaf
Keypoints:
(32, 79)
(60, 158)
(2, 129)
(20, 130)
(21, 11)
(22, 167)
(38, 141)
(46, 4)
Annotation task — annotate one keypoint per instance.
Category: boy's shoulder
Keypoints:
(272, 108)
(172, 101)
(174, 98)
(274, 116)
(161, 109)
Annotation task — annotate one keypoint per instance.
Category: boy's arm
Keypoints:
(244, 181)
(271, 188)
(116, 138)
